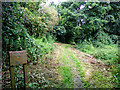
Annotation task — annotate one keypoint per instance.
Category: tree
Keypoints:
(84, 20)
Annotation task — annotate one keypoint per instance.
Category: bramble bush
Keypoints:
(20, 22)
(24, 27)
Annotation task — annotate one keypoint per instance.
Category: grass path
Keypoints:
(67, 67)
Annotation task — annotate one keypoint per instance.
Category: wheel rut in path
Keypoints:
(77, 81)
(92, 72)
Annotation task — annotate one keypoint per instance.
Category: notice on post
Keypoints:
(18, 57)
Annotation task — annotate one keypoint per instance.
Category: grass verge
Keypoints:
(109, 55)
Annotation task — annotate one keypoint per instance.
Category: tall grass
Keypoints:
(106, 53)
(102, 52)
(45, 44)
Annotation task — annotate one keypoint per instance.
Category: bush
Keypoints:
(100, 50)
(108, 52)
(19, 23)
(86, 47)
(59, 32)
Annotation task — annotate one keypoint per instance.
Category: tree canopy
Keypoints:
(86, 20)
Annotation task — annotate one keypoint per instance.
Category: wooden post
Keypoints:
(25, 76)
(18, 58)
(12, 77)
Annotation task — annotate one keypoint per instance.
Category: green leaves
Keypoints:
(91, 17)
(19, 23)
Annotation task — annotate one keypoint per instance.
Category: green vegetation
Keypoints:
(73, 61)
(91, 27)
(25, 28)
(107, 53)
(104, 52)
(96, 21)
(67, 81)
(65, 69)
(20, 22)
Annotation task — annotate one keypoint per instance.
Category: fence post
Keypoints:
(25, 76)
(12, 77)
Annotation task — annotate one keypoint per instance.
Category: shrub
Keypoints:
(100, 50)
(19, 23)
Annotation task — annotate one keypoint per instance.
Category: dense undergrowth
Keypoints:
(93, 27)
(106, 53)
(39, 50)
(23, 30)
(21, 26)
(31, 26)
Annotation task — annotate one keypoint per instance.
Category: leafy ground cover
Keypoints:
(42, 48)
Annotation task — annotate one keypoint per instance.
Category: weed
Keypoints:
(67, 81)
(107, 54)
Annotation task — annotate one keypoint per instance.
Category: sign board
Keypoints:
(18, 57)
